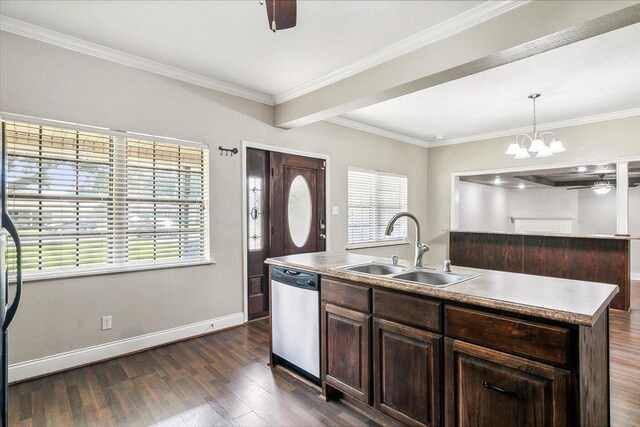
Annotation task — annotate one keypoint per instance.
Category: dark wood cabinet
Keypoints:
(347, 352)
(406, 372)
(428, 362)
(485, 387)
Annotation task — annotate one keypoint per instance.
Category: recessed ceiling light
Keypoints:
(521, 186)
(582, 169)
(497, 181)
(439, 137)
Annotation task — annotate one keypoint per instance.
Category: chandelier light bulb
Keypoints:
(557, 146)
(536, 145)
(522, 154)
(544, 151)
(513, 149)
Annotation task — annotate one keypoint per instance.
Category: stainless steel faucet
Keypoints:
(421, 248)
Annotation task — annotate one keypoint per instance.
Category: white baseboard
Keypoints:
(59, 362)
(635, 276)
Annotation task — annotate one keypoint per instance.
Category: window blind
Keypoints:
(85, 201)
(374, 197)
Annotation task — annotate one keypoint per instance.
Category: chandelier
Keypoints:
(538, 146)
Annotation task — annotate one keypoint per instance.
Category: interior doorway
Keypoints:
(285, 200)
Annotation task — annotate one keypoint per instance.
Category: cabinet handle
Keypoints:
(498, 389)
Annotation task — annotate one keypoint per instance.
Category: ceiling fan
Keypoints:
(600, 187)
(281, 14)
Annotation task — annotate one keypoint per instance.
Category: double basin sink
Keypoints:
(417, 275)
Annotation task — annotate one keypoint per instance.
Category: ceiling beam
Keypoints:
(537, 180)
(531, 29)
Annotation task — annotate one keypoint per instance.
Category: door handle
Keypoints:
(13, 232)
(254, 214)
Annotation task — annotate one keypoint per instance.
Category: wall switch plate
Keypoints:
(335, 210)
(106, 322)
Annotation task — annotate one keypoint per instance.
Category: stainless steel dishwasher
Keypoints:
(295, 321)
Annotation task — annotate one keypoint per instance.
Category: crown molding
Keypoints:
(545, 126)
(377, 131)
(448, 28)
(55, 38)
(484, 136)
(454, 25)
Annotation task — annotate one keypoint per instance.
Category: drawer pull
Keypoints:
(498, 389)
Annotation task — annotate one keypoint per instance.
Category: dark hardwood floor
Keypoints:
(223, 379)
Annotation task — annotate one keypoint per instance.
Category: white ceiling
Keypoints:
(231, 40)
(591, 77)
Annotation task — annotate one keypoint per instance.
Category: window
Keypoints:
(374, 197)
(88, 201)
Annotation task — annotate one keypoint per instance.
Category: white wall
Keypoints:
(584, 144)
(544, 203)
(483, 207)
(597, 213)
(490, 208)
(634, 230)
(60, 315)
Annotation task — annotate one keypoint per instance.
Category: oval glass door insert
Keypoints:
(299, 211)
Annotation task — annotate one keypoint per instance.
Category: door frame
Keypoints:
(245, 236)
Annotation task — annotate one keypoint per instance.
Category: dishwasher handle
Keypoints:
(297, 278)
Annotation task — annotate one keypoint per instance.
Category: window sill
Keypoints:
(377, 244)
(42, 276)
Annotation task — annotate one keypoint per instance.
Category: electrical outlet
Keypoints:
(335, 210)
(106, 322)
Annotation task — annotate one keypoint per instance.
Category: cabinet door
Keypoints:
(406, 372)
(346, 356)
(489, 388)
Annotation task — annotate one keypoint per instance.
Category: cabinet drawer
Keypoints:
(346, 295)
(489, 388)
(407, 309)
(535, 340)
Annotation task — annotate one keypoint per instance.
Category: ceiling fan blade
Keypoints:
(285, 11)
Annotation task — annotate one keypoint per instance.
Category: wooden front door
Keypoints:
(297, 204)
(285, 197)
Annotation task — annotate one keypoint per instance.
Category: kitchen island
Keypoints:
(496, 349)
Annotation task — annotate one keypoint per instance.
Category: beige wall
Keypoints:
(593, 143)
(61, 315)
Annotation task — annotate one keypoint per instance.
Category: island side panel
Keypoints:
(593, 373)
